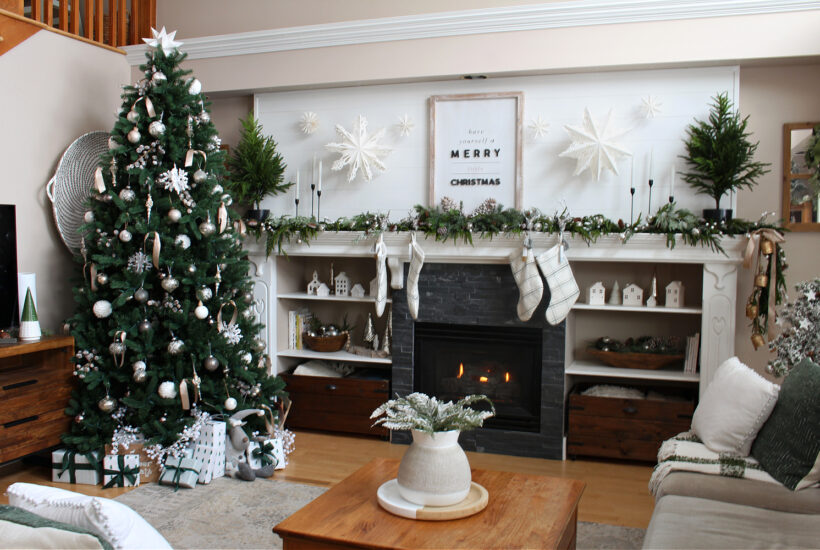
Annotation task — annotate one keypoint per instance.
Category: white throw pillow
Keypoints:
(115, 522)
(733, 408)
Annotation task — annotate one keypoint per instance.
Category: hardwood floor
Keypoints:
(616, 493)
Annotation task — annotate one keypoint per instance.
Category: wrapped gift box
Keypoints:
(180, 472)
(210, 450)
(72, 467)
(121, 470)
(267, 451)
(149, 469)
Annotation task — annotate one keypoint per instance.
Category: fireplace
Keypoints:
(503, 363)
(467, 314)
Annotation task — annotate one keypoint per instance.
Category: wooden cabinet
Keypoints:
(336, 404)
(35, 386)
(624, 428)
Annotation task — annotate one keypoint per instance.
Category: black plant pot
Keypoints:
(717, 214)
(255, 217)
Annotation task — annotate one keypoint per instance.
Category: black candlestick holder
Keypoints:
(651, 183)
(312, 189)
(632, 206)
(318, 204)
(297, 207)
(671, 199)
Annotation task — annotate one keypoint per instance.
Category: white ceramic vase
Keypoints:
(434, 470)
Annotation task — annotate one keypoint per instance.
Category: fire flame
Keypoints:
(460, 370)
(483, 379)
(506, 377)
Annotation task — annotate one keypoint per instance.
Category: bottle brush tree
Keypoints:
(719, 153)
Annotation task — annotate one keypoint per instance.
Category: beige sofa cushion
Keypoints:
(688, 522)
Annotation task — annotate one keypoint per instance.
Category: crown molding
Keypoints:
(469, 22)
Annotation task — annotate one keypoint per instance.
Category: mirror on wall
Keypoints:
(801, 186)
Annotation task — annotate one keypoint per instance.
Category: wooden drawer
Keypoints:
(335, 404)
(32, 433)
(623, 428)
(33, 387)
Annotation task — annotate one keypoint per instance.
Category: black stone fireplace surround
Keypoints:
(483, 295)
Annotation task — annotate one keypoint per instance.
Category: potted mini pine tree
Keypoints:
(256, 169)
(720, 156)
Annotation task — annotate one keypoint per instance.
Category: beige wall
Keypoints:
(52, 90)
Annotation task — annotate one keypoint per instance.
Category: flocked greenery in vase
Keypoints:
(256, 169)
(427, 414)
(721, 156)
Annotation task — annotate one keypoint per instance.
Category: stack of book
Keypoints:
(690, 364)
(298, 322)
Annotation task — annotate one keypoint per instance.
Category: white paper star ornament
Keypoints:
(405, 125)
(650, 106)
(594, 146)
(358, 150)
(539, 127)
(162, 40)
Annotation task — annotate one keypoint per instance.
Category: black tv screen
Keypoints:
(8, 266)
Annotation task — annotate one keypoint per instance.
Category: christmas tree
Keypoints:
(164, 328)
(800, 338)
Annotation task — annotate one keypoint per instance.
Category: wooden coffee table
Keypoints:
(525, 511)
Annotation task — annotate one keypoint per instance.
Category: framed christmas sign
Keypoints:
(475, 148)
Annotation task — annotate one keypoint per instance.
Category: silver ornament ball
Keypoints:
(116, 348)
(170, 284)
(138, 365)
(175, 346)
(102, 279)
(88, 217)
(156, 128)
(210, 363)
(127, 195)
(139, 376)
(144, 326)
(174, 215)
(204, 293)
(79, 418)
(259, 345)
(141, 295)
(207, 228)
(125, 236)
(106, 404)
(205, 117)
(134, 135)
(200, 175)
(132, 116)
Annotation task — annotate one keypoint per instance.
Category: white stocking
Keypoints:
(529, 283)
(563, 288)
(416, 263)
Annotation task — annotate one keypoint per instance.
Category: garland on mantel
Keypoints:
(490, 220)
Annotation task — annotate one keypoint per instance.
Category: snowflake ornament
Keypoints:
(139, 262)
(231, 332)
(405, 125)
(650, 106)
(164, 41)
(359, 151)
(539, 127)
(309, 122)
(174, 180)
(594, 146)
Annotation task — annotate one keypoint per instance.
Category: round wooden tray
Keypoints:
(324, 343)
(650, 361)
(390, 499)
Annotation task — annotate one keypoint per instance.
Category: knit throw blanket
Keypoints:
(686, 453)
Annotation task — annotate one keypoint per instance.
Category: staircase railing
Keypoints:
(109, 22)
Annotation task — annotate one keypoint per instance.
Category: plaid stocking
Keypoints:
(563, 288)
(529, 283)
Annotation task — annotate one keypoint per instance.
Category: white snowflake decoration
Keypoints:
(231, 332)
(139, 262)
(405, 125)
(309, 122)
(162, 40)
(539, 127)
(594, 146)
(358, 150)
(650, 106)
(174, 180)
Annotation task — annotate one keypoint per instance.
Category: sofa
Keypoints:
(747, 475)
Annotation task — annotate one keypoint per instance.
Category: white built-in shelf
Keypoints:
(590, 368)
(334, 356)
(329, 298)
(640, 309)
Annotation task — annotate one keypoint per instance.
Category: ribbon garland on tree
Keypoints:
(118, 477)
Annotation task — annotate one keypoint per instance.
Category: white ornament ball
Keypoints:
(201, 311)
(125, 236)
(170, 284)
(134, 135)
(175, 346)
(230, 404)
(204, 293)
(205, 117)
(167, 390)
(174, 215)
(156, 128)
(207, 228)
(127, 194)
(158, 77)
(247, 357)
(102, 308)
(88, 217)
(112, 143)
(200, 175)
(139, 365)
(183, 241)
(132, 116)
(195, 87)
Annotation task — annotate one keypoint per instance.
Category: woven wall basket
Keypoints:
(71, 185)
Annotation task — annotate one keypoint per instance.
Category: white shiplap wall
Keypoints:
(548, 183)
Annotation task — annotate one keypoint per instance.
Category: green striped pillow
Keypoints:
(788, 444)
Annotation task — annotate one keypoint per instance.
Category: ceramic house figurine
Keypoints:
(596, 294)
(357, 291)
(323, 290)
(342, 284)
(674, 294)
(314, 284)
(633, 295)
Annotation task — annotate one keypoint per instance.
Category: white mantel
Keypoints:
(719, 300)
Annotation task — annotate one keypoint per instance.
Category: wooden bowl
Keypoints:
(324, 343)
(650, 361)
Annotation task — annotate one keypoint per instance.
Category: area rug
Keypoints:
(229, 513)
